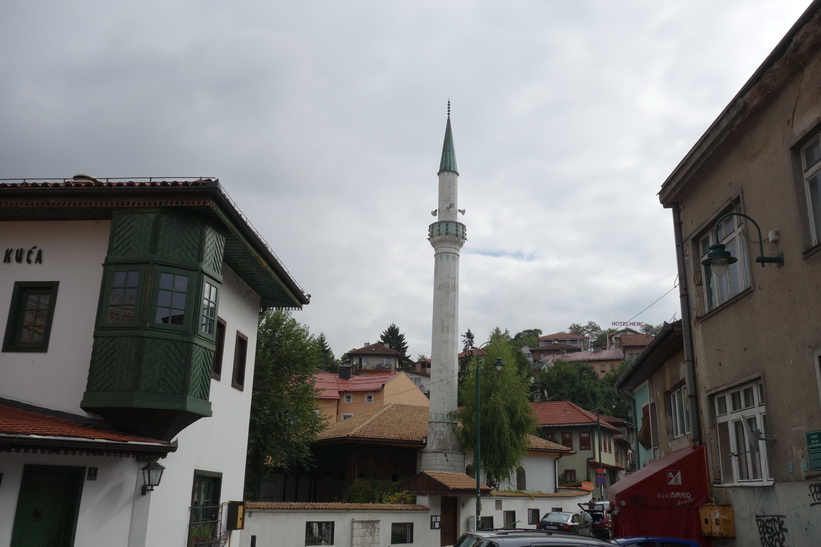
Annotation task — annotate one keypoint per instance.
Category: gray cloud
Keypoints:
(324, 121)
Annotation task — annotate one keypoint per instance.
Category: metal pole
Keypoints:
(477, 467)
(598, 427)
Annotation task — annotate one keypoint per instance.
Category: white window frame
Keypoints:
(741, 430)
(811, 175)
(348, 398)
(720, 289)
(346, 416)
(679, 411)
(369, 398)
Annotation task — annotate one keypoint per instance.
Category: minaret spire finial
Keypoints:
(448, 162)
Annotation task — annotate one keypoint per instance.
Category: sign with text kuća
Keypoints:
(21, 255)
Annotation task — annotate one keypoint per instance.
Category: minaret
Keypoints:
(446, 235)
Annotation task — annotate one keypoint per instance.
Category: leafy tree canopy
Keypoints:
(574, 382)
(598, 337)
(505, 415)
(651, 329)
(395, 340)
(283, 419)
(529, 337)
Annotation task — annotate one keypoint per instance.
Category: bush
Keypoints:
(377, 491)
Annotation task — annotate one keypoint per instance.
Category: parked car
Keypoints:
(656, 541)
(526, 538)
(602, 516)
(574, 523)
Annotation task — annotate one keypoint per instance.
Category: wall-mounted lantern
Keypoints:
(719, 258)
(152, 475)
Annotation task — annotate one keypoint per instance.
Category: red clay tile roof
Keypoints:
(26, 428)
(537, 444)
(375, 349)
(393, 423)
(565, 413)
(563, 336)
(591, 356)
(442, 482)
(330, 506)
(636, 339)
(330, 385)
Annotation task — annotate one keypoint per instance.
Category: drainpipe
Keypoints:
(686, 330)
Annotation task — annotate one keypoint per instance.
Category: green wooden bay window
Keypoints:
(155, 337)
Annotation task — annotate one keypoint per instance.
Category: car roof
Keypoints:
(632, 540)
(527, 537)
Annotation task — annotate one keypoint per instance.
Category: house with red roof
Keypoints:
(130, 311)
(341, 397)
(590, 436)
(374, 359)
(602, 361)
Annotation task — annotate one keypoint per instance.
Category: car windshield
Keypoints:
(556, 517)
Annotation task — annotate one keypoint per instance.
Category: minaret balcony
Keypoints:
(447, 228)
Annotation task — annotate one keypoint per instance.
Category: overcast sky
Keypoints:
(324, 122)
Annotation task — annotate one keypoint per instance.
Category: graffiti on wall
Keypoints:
(815, 493)
(772, 530)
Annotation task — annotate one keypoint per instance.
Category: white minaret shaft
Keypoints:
(446, 235)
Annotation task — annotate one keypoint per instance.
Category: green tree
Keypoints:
(574, 382)
(468, 340)
(283, 419)
(329, 363)
(612, 402)
(506, 417)
(651, 329)
(528, 337)
(395, 340)
(598, 337)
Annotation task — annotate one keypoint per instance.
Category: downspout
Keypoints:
(686, 330)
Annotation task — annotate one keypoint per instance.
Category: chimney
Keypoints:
(345, 370)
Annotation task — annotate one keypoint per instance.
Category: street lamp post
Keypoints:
(477, 464)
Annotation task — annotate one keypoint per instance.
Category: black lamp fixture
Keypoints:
(719, 258)
(152, 475)
(477, 465)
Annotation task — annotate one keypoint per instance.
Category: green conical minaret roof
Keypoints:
(448, 162)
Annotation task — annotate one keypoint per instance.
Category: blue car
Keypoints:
(656, 541)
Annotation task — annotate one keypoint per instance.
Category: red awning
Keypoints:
(678, 479)
(663, 498)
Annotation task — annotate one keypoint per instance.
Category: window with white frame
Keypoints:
(346, 417)
(348, 398)
(811, 167)
(741, 423)
(679, 411)
(369, 398)
(721, 288)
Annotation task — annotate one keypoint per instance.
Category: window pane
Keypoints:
(748, 397)
(725, 452)
(721, 403)
(171, 299)
(123, 296)
(812, 154)
(736, 398)
(166, 281)
(814, 203)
